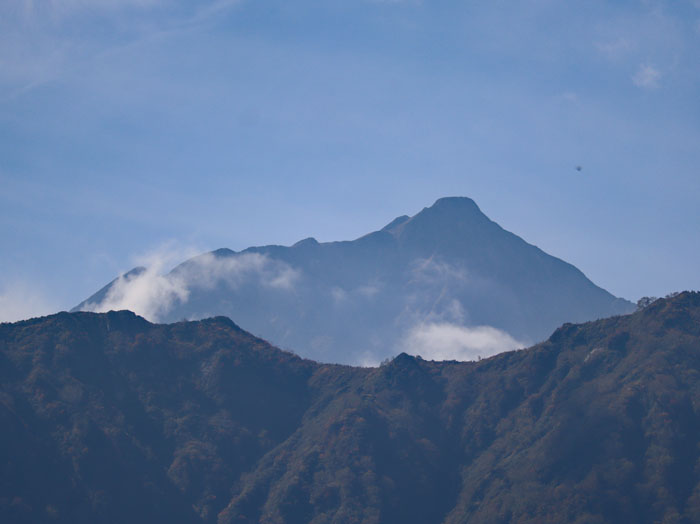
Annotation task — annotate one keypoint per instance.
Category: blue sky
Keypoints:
(133, 126)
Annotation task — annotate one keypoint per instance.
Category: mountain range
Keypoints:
(445, 283)
(109, 418)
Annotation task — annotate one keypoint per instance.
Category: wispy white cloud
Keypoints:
(367, 360)
(568, 96)
(153, 294)
(368, 291)
(356, 295)
(208, 271)
(615, 49)
(39, 42)
(62, 8)
(176, 14)
(339, 294)
(149, 293)
(213, 9)
(429, 270)
(647, 77)
(447, 341)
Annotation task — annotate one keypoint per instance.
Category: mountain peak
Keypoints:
(453, 200)
(306, 242)
(223, 252)
(452, 210)
(448, 262)
(455, 203)
(447, 207)
(447, 223)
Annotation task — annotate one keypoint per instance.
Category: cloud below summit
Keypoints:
(447, 341)
(153, 294)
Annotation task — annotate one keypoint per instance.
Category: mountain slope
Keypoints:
(419, 280)
(111, 418)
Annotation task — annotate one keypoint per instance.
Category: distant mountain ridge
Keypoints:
(108, 418)
(447, 274)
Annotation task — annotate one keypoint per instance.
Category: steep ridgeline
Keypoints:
(393, 290)
(108, 418)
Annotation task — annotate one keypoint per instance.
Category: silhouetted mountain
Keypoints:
(413, 283)
(108, 418)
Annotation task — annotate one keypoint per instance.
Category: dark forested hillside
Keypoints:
(108, 418)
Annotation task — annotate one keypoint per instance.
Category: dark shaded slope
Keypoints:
(113, 419)
(598, 424)
(193, 421)
(449, 264)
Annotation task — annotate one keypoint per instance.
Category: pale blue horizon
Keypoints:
(134, 126)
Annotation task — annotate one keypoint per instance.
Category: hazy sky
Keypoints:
(129, 125)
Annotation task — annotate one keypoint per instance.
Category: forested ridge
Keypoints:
(109, 418)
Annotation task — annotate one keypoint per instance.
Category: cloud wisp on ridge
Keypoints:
(449, 341)
(153, 293)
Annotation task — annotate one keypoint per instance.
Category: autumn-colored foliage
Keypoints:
(108, 418)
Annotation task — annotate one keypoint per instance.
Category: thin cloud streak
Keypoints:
(53, 52)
